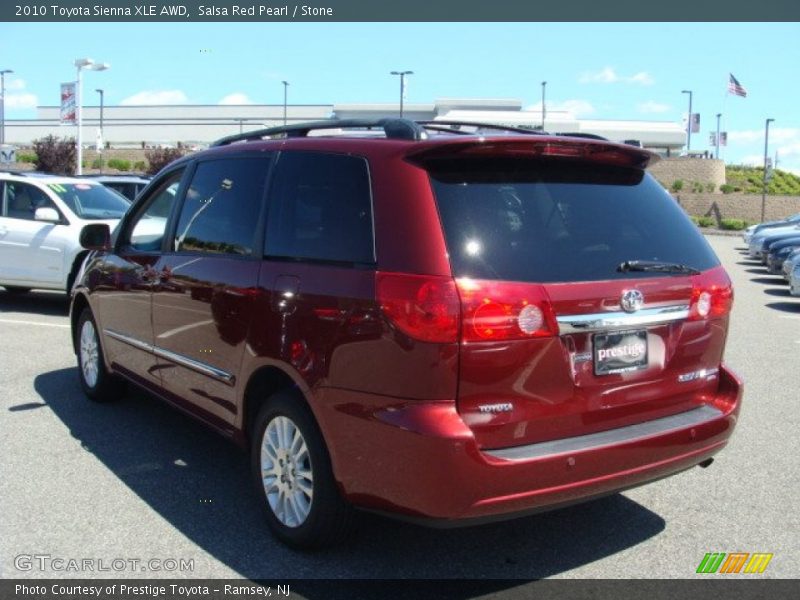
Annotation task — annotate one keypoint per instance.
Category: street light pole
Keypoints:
(81, 64)
(718, 140)
(766, 158)
(402, 75)
(689, 123)
(285, 97)
(102, 133)
(3, 104)
(544, 107)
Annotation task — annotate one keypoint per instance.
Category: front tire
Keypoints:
(293, 477)
(97, 383)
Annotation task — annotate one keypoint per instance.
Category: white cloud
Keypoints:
(609, 75)
(651, 107)
(642, 78)
(777, 135)
(792, 149)
(156, 97)
(15, 84)
(575, 106)
(753, 160)
(785, 141)
(236, 98)
(21, 101)
(606, 75)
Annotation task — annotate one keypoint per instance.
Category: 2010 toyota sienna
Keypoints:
(446, 322)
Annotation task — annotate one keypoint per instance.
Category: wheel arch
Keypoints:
(74, 268)
(262, 383)
(79, 303)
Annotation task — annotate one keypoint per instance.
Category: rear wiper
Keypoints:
(655, 266)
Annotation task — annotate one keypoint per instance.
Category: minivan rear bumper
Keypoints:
(420, 460)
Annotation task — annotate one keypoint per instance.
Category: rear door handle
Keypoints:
(284, 293)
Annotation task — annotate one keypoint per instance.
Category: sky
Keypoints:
(625, 71)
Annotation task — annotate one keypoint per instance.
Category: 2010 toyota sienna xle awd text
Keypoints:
(445, 323)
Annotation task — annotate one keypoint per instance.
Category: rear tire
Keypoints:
(294, 481)
(97, 383)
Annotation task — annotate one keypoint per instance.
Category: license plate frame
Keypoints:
(615, 352)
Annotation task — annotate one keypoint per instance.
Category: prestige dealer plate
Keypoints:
(619, 351)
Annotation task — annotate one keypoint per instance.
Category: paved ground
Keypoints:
(136, 480)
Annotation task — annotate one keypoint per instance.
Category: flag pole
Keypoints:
(724, 113)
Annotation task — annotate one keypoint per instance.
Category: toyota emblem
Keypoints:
(631, 300)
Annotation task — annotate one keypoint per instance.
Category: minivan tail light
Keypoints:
(424, 307)
(712, 295)
(499, 310)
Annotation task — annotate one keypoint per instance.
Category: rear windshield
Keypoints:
(91, 201)
(558, 221)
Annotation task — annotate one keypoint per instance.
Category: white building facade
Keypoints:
(133, 126)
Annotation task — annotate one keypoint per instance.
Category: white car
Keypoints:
(41, 218)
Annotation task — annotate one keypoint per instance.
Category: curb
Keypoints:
(721, 232)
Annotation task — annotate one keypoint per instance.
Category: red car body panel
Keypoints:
(421, 460)
(402, 418)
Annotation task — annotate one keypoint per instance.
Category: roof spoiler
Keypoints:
(586, 150)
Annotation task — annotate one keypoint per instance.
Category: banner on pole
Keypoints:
(695, 121)
(68, 103)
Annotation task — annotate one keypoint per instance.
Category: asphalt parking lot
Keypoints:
(136, 480)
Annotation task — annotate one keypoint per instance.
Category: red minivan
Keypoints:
(447, 322)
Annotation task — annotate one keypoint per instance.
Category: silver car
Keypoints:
(794, 281)
(789, 264)
(748, 233)
(755, 249)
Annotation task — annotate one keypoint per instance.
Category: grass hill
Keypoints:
(749, 180)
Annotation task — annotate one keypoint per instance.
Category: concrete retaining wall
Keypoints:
(702, 170)
(738, 206)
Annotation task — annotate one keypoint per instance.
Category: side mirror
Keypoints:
(96, 236)
(46, 214)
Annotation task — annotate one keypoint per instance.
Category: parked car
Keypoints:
(794, 281)
(791, 261)
(443, 326)
(778, 251)
(41, 218)
(128, 185)
(748, 233)
(759, 243)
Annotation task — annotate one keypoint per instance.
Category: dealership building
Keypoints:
(151, 125)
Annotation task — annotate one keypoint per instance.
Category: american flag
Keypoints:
(736, 88)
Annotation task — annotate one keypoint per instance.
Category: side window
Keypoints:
(23, 199)
(149, 226)
(222, 205)
(321, 208)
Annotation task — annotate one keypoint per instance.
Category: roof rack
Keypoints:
(394, 128)
(453, 127)
(588, 136)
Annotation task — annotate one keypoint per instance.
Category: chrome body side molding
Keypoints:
(189, 363)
